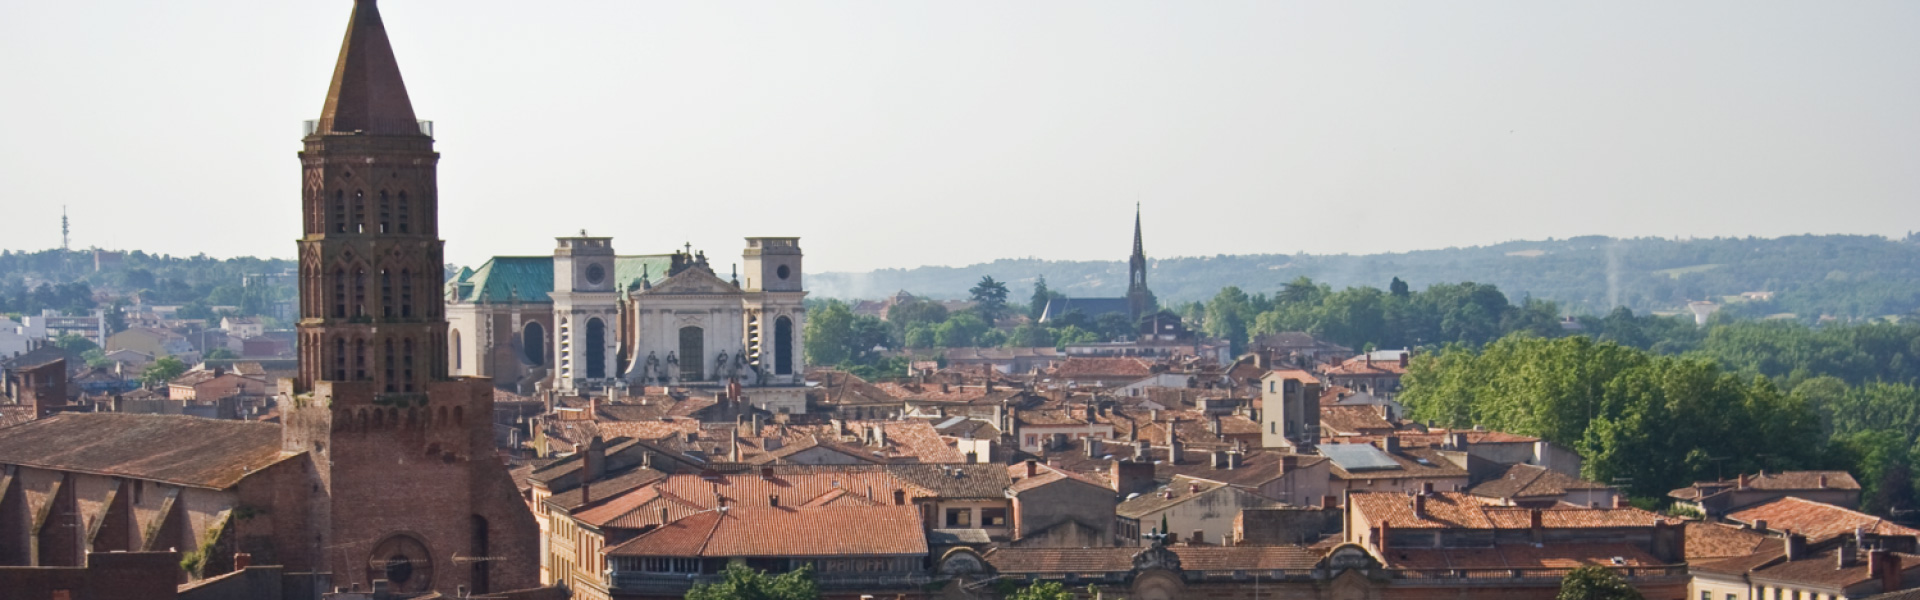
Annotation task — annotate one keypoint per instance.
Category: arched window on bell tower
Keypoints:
(339, 293)
(389, 361)
(339, 211)
(359, 211)
(339, 359)
(406, 362)
(360, 292)
(404, 211)
(360, 359)
(386, 293)
(406, 293)
(386, 213)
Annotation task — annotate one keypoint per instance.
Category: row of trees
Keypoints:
(1357, 317)
(1652, 422)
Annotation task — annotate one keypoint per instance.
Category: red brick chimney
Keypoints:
(1404, 357)
(1033, 467)
(1888, 569)
(242, 560)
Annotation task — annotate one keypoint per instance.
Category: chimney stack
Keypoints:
(1390, 443)
(1420, 507)
(1886, 565)
(1199, 538)
(1033, 467)
(1796, 546)
(1405, 355)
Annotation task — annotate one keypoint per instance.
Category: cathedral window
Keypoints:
(783, 346)
(534, 343)
(386, 212)
(359, 211)
(386, 293)
(596, 349)
(389, 362)
(360, 360)
(340, 293)
(404, 210)
(339, 359)
(406, 362)
(406, 293)
(455, 337)
(339, 211)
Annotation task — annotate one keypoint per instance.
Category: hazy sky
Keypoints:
(896, 134)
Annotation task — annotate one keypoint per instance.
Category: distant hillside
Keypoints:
(1842, 275)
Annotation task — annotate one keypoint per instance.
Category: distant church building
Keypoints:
(1138, 303)
(587, 319)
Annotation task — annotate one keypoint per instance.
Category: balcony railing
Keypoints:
(310, 126)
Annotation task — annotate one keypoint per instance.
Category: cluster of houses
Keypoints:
(1292, 470)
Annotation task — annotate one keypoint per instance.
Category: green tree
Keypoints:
(1596, 583)
(1037, 303)
(917, 311)
(1399, 288)
(990, 299)
(74, 345)
(1042, 590)
(960, 331)
(220, 354)
(829, 333)
(162, 371)
(1228, 315)
(1030, 335)
(739, 582)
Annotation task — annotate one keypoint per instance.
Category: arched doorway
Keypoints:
(693, 344)
(533, 342)
(783, 346)
(596, 349)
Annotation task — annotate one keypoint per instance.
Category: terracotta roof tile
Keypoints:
(1529, 481)
(1714, 540)
(1115, 368)
(1818, 521)
(189, 451)
(786, 531)
(1453, 510)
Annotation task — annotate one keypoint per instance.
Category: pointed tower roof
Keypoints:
(367, 94)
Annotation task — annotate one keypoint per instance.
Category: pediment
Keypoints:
(692, 281)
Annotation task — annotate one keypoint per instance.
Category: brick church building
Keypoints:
(408, 486)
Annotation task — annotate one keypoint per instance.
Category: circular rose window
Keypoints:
(596, 274)
(783, 272)
(403, 561)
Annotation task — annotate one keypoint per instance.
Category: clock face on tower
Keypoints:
(596, 274)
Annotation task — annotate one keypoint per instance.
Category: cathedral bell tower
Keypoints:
(406, 486)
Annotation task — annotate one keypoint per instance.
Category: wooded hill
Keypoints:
(1841, 275)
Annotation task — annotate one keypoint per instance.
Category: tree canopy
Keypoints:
(739, 582)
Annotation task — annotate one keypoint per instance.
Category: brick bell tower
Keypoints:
(406, 484)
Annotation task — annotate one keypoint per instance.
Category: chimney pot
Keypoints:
(1199, 537)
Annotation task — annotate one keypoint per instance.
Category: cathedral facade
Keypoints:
(587, 320)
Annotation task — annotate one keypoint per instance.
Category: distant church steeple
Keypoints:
(1139, 298)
